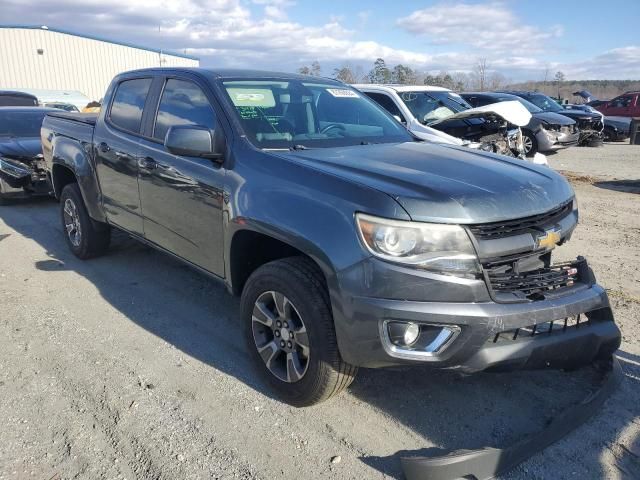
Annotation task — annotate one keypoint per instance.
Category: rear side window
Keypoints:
(9, 100)
(386, 102)
(183, 103)
(128, 103)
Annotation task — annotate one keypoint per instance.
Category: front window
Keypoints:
(546, 104)
(21, 124)
(298, 114)
(430, 107)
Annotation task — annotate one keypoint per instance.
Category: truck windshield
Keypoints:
(429, 107)
(21, 124)
(297, 114)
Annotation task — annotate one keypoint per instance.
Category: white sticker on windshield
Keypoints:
(342, 93)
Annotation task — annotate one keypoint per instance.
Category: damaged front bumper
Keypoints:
(487, 463)
(557, 137)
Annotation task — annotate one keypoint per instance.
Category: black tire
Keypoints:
(529, 138)
(301, 283)
(93, 237)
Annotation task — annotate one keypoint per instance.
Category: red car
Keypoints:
(625, 105)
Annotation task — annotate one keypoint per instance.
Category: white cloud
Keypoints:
(490, 27)
(231, 33)
(615, 64)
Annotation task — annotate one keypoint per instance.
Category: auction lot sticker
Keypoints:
(342, 93)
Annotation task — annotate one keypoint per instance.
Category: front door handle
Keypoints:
(147, 163)
(103, 147)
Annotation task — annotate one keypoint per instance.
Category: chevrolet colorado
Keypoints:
(350, 241)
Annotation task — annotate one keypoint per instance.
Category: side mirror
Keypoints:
(191, 141)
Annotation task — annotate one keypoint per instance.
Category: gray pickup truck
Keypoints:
(351, 242)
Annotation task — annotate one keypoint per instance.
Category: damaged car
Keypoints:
(616, 129)
(589, 124)
(439, 115)
(545, 132)
(22, 171)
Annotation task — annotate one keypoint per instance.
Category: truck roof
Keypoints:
(227, 73)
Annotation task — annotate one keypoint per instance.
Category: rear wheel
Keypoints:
(85, 237)
(290, 334)
(530, 143)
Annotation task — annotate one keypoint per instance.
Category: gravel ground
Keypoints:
(130, 366)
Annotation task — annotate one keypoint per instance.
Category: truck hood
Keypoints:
(445, 184)
(512, 111)
(20, 148)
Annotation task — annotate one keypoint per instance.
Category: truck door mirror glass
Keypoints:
(190, 141)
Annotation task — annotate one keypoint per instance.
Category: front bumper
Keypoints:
(481, 324)
(550, 141)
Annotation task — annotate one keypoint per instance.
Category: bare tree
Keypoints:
(345, 74)
(314, 70)
(496, 81)
(559, 78)
(480, 74)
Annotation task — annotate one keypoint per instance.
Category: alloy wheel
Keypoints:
(527, 143)
(72, 222)
(280, 336)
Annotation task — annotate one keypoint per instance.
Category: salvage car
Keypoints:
(589, 124)
(440, 115)
(545, 132)
(12, 98)
(615, 128)
(350, 241)
(22, 171)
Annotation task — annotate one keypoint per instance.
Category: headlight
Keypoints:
(432, 246)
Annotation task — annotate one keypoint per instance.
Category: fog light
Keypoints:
(403, 333)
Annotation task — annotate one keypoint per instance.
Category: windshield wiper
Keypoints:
(298, 147)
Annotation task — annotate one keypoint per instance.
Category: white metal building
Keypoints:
(48, 58)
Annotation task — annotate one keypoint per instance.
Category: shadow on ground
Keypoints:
(449, 411)
(627, 186)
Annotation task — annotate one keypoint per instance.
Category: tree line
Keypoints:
(481, 77)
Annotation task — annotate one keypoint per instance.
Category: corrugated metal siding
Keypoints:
(69, 62)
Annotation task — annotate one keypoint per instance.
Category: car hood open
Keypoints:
(512, 111)
(445, 184)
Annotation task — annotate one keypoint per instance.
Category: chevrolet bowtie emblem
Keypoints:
(549, 240)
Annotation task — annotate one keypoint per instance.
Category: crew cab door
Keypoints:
(182, 196)
(116, 146)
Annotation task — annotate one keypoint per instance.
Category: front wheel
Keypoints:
(530, 143)
(85, 237)
(289, 328)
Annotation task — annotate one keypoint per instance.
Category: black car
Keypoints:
(546, 132)
(616, 129)
(22, 170)
(10, 98)
(589, 124)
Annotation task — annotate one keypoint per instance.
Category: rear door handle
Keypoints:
(147, 163)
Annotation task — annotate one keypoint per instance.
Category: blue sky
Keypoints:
(521, 40)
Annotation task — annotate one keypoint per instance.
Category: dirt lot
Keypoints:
(130, 366)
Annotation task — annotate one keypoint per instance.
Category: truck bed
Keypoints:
(88, 118)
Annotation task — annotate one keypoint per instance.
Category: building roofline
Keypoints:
(100, 39)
